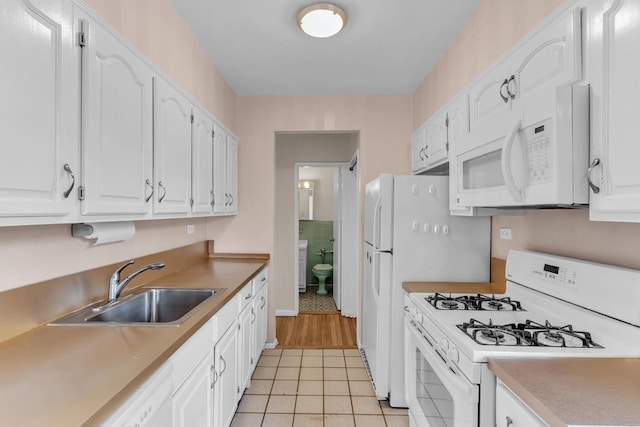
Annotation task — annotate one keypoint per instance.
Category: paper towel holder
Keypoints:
(81, 230)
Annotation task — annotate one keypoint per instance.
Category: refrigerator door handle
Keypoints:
(375, 282)
(377, 210)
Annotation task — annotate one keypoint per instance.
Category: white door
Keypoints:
(349, 243)
(232, 175)
(39, 109)
(193, 402)
(172, 115)
(245, 351)
(225, 391)
(417, 151)
(337, 232)
(202, 163)
(116, 125)
(615, 94)
(437, 151)
(457, 130)
(489, 103)
(220, 197)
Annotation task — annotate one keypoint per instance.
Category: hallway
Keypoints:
(316, 331)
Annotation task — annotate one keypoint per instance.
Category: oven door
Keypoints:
(438, 394)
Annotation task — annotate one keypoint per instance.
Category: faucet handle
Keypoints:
(116, 274)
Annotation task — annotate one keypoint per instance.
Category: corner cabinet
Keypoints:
(614, 32)
(39, 153)
(117, 94)
(225, 175)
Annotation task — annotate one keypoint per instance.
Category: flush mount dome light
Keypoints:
(322, 20)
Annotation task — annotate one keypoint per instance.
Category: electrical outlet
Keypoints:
(505, 233)
(191, 229)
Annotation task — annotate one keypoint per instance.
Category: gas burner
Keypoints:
(548, 335)
(490, 334)
(473, 302)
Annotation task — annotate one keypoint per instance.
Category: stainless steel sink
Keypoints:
(143, 307)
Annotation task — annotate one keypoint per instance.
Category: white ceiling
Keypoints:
(387, 48)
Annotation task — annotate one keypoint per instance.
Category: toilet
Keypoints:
(322, 271)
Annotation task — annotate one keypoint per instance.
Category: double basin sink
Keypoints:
(143, 307)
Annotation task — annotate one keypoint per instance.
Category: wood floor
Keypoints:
(316, 330)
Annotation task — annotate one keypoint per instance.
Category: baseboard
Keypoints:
(271, 345)
(286, 313)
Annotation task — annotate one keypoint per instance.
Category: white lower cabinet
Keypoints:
(193, 402)
(512, 412)
(225, 391)
(260, 324)
(246, 333)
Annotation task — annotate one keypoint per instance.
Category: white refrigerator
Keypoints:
(410, 236)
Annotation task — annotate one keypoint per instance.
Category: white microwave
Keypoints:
(538, 164)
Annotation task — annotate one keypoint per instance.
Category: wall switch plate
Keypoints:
(505, 233)
(191, 229)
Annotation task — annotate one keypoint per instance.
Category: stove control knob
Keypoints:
(453, 355)
(443, 344)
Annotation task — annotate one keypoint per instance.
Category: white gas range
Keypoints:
(553, 307)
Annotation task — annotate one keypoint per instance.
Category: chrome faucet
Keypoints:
(116, 285)
(323, 253)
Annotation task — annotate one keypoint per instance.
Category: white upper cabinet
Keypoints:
(614, 69)
(172, 117)
(202, 163)
(418, 142)
(116, 126)
(489, 103)
(39, 161)
(437, 143)
(225, 173)
(457, 131)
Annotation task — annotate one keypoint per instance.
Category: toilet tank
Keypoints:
(302, 265)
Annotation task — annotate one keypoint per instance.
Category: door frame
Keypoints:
(352, 225)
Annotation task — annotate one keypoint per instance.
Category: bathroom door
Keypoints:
(337, 224)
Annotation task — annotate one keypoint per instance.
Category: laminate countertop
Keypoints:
(79, 375)
(575, 392)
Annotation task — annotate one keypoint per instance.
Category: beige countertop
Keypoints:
(78, 375)
(575, 392)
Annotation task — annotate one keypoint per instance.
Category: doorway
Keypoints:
(326, 195)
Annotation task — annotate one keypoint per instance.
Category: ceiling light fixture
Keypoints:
(322, 20)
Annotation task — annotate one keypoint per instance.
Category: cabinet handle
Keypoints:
(253, 313)
(148, 182)
(231, 201)
(164, 192)
(593, 164)
(213, 199)
(68, 170)
(248, 296)
(421, 151)
(509, 421)
(502, 86)
(215, 376)
(511, 79)
(225, 365)
(264, 302)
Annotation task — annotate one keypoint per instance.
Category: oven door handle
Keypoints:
(448, 373)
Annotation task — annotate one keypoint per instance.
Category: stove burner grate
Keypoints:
(473, 302)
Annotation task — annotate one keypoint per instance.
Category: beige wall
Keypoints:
(323, 190)
(291, 148)
(384, 123)
(495, 28)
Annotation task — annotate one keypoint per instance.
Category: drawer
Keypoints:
(261, 279)
(225, 317)
(187, 358)
(246, 294)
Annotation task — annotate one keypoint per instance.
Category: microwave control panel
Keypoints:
(539, 152)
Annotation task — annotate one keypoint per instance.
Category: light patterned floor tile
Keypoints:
(264, 373)
(354, 362)
(361, 388)
(333, 362)
(334, 420)
(337, 405)
(312, 352)
(309, 405)
(312, 361)
(365, 405)
(388, 410)
(287, 373)
(259, 387)
(351, 352)
(357, 374)
(292, 352)
(269, 361)
(332, 352)
(253, 403)
(272, 352)
(290, 361)
(284, 387)
(310, 373)
(370, 421)
(335, 374)
(397, 420)
(310, 388)
(308, 420)
(281, 404)
(247, 420)
(336, 388)
(277, 420)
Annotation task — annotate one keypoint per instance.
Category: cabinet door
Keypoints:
(39, 110)
(615, 32)
(193, 402)
(489, 104)
(550, 59)
(226, 366)
(457, 131)
(171, 149)
(221, 199)
(116, 126)
(260, 324)
(418, 162)
(202, 163)
(437, 151)
(245, 347)
(511, 411)
(232, 175)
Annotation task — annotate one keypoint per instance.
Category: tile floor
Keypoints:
(310, 388)
(310, 301)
